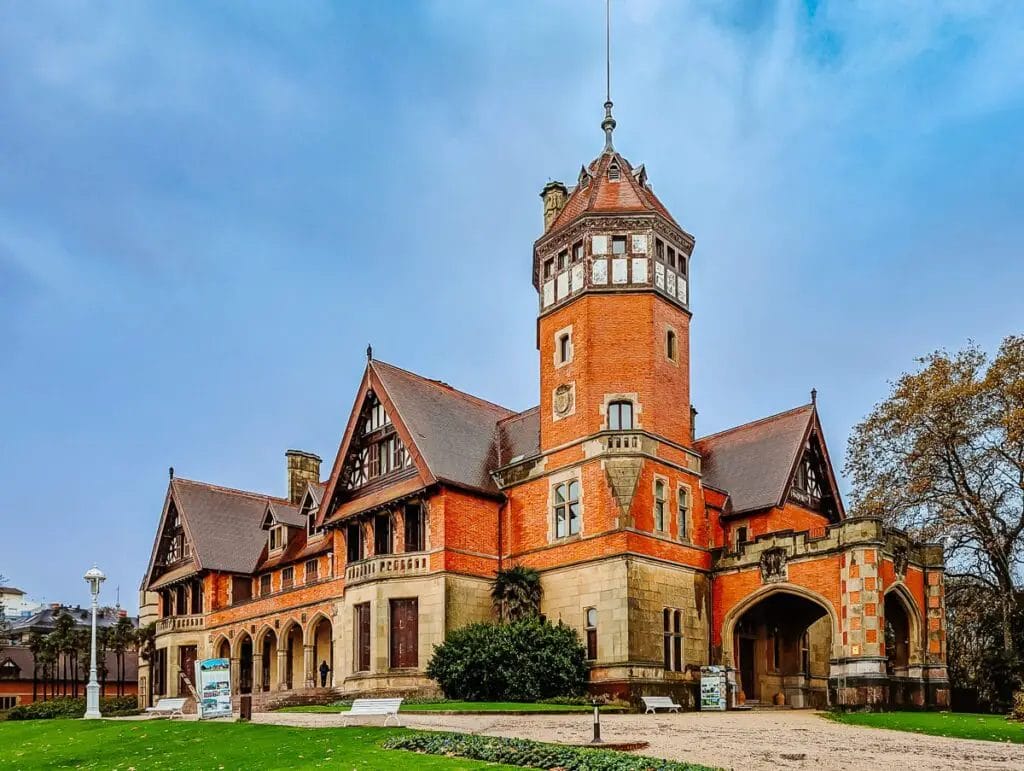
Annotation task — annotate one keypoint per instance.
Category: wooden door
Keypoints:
(405, 634)
(362, 637)
(186, 668)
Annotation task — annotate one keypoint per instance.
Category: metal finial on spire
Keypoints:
(814, 396)
(608, 124)
(369, 352)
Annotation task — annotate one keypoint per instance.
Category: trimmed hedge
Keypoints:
(531, 754)
(526, 660)
(114, 706)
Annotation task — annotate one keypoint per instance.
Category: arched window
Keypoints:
(671, 345)
(613, 172)
(684, 513)
(620, 416)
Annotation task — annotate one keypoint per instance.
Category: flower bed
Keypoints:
(531, 754)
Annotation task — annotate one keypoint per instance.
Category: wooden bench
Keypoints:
(653, 703)
(386, 707)
(168, 707)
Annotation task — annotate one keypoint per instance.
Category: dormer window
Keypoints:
(311, 529)
(620, 416)
(278, 537)
(613, 172)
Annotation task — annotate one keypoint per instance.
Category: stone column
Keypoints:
(257, 672)
(859, 677)
(282, 669)
(935, 636)
(309, 665)
(236, 671)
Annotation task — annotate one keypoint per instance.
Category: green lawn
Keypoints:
(165, 744)
(465, 706)
(961, 725)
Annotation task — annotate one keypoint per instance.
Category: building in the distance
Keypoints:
(664, 549)
(15, 604)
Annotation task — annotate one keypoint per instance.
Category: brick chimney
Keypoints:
(303, 469)
(554, 195)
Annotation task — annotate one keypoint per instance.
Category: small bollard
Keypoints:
(597, 722)
(245, 707)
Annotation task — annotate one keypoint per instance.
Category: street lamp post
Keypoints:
(94, 577)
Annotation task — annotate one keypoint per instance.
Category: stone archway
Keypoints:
(266, 648)
(293, 672)
(244, 655)
(781, 640)
(320, 635)
(222, 648)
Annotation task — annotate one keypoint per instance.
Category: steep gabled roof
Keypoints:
(754, 462)
(597, 193)
(285, 513)
(453, 430)
(518, 436)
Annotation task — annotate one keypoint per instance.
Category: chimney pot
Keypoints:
(303, 469)
(554, 195)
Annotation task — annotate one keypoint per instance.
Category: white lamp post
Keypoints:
(94, 577)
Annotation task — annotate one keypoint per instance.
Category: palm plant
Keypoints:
(35, 644)
(145, 643)
(122, 637)
(64, 646)
(516, 593)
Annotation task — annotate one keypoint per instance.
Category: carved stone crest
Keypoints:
(773, 565)
(899, 561)
(563, 399)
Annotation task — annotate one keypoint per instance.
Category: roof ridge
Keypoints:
(446, 387)
(757, 422)
(519, 415)
(230, 490)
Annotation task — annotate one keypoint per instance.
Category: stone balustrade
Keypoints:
(180, 624)
(387, 566)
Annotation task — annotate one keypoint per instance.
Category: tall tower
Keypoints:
(612, 276)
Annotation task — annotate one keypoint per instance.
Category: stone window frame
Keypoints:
(666, 517)
(638, 409)
(557, 357)
(590, 632)
(673, 640)
(282, 532)
(685, 528)
(671, 338)
(306, 578)
(564, 477)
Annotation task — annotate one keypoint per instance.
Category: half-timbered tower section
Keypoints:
(664, 550)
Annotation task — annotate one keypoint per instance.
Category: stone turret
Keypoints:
(554, 195)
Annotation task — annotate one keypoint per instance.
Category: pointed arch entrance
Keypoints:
(291, 644)
(268, 661)
(780, 641)
(321, 636)
(244, 650)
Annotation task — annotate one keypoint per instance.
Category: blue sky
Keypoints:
(207, 211)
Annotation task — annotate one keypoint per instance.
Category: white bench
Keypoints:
(386, 707)
(653, 703)
(168, 707)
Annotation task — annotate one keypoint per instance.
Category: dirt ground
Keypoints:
(788, 739)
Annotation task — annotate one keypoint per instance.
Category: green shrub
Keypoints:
(531, 754)
(114, 706)
(1017, 710)
(525, 660)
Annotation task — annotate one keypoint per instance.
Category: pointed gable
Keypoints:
(756, 462)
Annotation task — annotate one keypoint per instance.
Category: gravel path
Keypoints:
(789, 739)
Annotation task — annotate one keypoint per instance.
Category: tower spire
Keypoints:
(608, 124)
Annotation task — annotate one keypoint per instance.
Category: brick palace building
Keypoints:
(665, 550)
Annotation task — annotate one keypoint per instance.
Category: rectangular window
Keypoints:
(620, 416)
(241, 589)
(684, 514)
(567, 509)
(618, 244)
(415, 528)
(564, 348)
(563, 259)
(659, 505)
(288, 577)
(362, 637)
(577, 251)
(659, 249)
(265, 584)
(8, 702)
(354, 542)
(196, 593)
(549, 268)
(382, 534)
(672, 624)
(590, 618)
(741, 536)
(671, 257)
(312, 571)
(404, 653)
(277, 537)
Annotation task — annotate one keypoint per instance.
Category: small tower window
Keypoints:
(613, 172)
(618, 244)
(671, 345)
(659, 505)
(563, 259)
(671, 257)
(659, 249)
(567, 509)
(549, 268)
(684, 514)
(620, 416)
(577, 251)
(564, 348)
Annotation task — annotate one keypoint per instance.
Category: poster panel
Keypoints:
(213, 676)
(713, 687)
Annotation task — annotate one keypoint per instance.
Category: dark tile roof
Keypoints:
(519, 436)
(454, 432)
(753, 462)
(317, 491)
(225, 525)
(10, 590)
(46, 618)
(287, 514)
